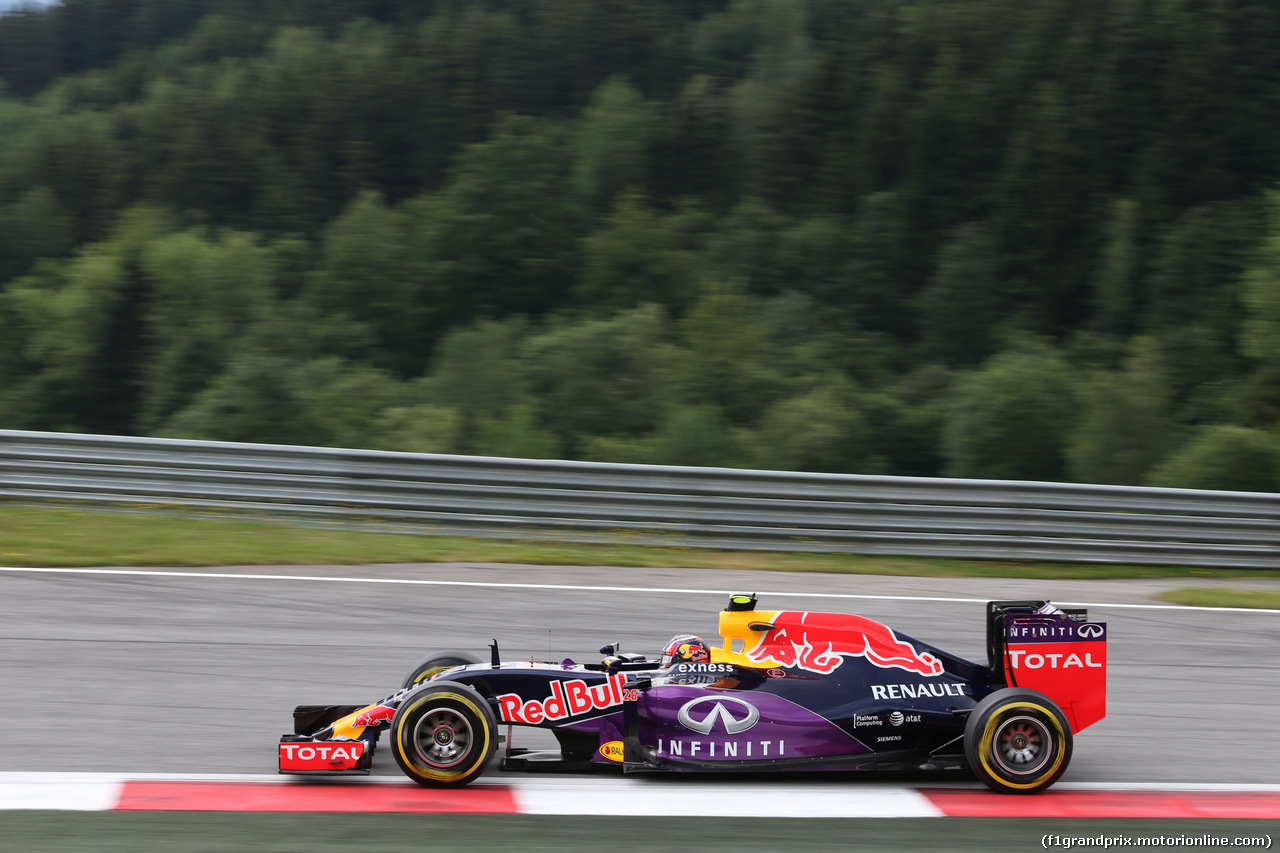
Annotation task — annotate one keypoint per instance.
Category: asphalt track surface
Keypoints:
(197, 671)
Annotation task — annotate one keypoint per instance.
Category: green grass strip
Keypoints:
(70, 537)
(1260, 599)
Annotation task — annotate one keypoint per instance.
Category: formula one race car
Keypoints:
(785, 690)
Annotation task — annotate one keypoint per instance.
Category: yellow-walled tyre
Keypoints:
(1017, 741)
(439, 662)
(443, 735)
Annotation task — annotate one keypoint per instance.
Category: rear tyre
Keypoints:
(436, 663)
(443, 735)
(1017, 741)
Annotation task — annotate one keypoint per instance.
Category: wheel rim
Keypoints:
(1022, 746)
(442, 737)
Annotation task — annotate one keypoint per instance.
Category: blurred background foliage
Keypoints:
(980, 238)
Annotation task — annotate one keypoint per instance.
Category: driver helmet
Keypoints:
(685, 648)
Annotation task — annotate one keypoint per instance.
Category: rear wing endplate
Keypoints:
(1055, 650)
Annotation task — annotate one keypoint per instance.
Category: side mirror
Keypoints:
(610, 650)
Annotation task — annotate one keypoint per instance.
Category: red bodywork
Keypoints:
(307, 757)
(1063, 659)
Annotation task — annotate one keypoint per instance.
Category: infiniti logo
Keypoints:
(735, 721)
(1089, 629)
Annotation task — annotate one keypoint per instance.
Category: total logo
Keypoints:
(897, 718)
(1022, 658)
(325, 753)
(568, 699)
(320, 756)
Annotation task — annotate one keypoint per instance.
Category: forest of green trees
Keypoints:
(1027, 239)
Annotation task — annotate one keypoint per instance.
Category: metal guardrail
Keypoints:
(651, 504)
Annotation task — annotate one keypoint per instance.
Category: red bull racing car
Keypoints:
(785, 690)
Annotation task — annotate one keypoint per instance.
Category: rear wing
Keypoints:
(1055, 650)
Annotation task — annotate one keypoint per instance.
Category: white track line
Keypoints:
(588, 588)
(76, 793)
(586, 795)
(617, 784)
(583, 796)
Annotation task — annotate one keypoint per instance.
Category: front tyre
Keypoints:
(437, 663)
(443, 735)
(1017, 741)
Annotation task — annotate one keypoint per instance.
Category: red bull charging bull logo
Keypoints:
(819, 642)
(376, 715)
